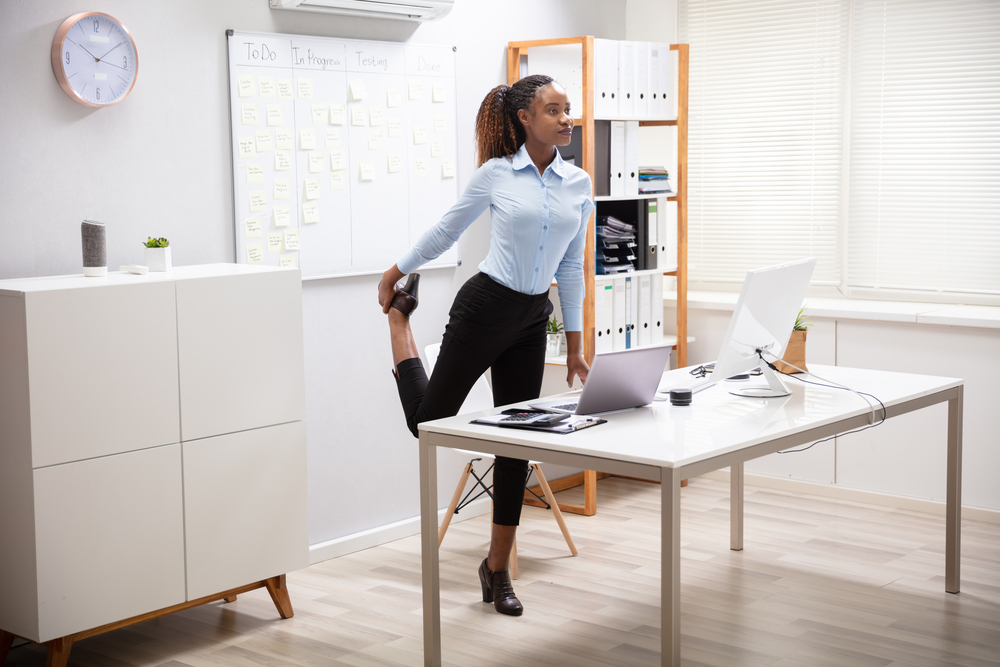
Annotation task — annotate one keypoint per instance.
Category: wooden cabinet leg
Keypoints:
(231, 598)
(6, 640)
(279, 594)
(59, 649)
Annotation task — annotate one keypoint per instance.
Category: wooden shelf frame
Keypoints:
(514, 52)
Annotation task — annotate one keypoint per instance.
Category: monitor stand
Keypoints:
(775, 387)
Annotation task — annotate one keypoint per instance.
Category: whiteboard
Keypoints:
(344, 151)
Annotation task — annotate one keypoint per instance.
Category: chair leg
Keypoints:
(551, 499)
(454, 503)
(513, 559)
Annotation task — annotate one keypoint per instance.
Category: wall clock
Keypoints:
(94, 59)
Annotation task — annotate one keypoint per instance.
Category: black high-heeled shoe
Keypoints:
(406, 300)
(498, 590)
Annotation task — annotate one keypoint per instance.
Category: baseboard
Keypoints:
(858, 495)
(373, 537)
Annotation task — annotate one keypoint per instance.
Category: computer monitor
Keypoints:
(762, 323)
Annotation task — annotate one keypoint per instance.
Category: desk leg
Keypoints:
(670, 568)
(736, 507)
(953, 513)
(431, 577)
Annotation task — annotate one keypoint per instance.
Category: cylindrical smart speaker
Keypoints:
(95, 248)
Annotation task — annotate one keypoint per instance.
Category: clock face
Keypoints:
(94, 59)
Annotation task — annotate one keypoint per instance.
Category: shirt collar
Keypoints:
(522, 160)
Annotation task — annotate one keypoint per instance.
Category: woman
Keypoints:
(539, 207)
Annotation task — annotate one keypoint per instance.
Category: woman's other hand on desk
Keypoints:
(387, 288)
(576, 365)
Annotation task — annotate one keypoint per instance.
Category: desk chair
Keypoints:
(481, 398)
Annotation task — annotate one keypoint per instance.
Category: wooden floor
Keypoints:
(819, 582)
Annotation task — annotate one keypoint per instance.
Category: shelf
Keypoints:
(647, 120)
(644, 272)
(670, 196)
(668, 339)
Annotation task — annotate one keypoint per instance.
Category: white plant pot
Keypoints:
(158, 259)
(553, 345)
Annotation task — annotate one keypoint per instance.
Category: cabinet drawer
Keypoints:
(245, 507)
(102, 366)
(109, 539)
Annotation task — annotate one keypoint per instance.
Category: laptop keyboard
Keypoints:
(569, 407)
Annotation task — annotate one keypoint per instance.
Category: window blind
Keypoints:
(924, 212)
(766, 123)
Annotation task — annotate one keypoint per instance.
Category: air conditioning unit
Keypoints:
(406, 10)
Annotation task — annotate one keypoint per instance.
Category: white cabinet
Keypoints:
(152, 448)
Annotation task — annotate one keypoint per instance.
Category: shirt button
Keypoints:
(545, 205)
(536, 270)
(545, 226)
(541, 247)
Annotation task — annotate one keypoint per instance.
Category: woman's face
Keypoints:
(548, 119)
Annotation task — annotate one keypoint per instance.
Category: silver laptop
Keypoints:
(617, 381)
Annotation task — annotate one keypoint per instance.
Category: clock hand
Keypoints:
(112, 49)
(84, 48)
(113, 65)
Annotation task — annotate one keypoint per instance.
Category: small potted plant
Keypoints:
(795, 351)
(157, 254)
(554, 334)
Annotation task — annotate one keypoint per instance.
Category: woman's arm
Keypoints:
(569, 278)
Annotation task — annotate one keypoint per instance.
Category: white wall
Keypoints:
(159, 164)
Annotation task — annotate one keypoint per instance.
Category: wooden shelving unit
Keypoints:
(586, 123)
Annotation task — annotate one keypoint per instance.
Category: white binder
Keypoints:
(656, 310)
(631, 158)
(640, 108)
(656, 105)
(626, 79)
(617, 158)
(669, 72)
(632, 312)
(666, 222)
(620, 305)
(643, 325)
(653, 234)
(605, 78)
(604, 304)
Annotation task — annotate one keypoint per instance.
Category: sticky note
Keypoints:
(274, 243)
(375, 139)
(282, 216)
(338, 159)
(255, 173)
(275, 115)
(283, 139)
(337, 114)
(440, 123)
(415, 88)
(267, 87)
(245, 85)
(248, 147)
(310, 212)
(393, 97)
(447, 169)
(312, 188)
(286, 261)
(255, 252)
(367, 170)
(305, 86)
(252, 228)
(258, 202)
(282, 188)
(395, 162)
(420, 134)
(285, 89)
(395, 127)
(358, 115)
(332, 137)
(437, 148)
(307, 140)
(338, 180)
(440, 92)
(420, 167)
(265, 143)
(249, 113)
(292, 239)
(358, 91)
(317, 162)
(282, 160)
(319, 114)
(376, 116)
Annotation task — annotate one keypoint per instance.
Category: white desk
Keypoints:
(669, 444)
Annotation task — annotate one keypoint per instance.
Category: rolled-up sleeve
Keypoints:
(442, 236)
(569, 274)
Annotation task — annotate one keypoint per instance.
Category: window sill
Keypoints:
(980, 317)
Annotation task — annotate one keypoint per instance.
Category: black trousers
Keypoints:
(489, 326)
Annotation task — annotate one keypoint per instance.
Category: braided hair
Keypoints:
(499, 132)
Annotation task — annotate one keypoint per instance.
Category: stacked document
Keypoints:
(654, 180)
(615, 248)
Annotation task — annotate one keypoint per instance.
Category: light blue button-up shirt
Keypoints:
(539, 228)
